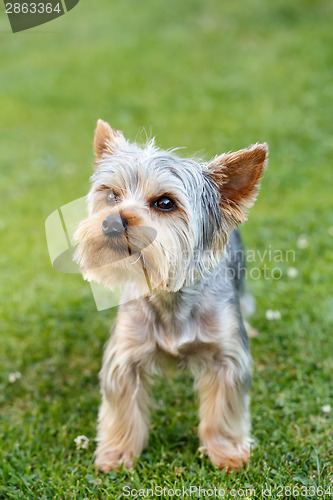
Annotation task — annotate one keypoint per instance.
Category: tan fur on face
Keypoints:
(159, 235)
(116, 261)
(159, 255)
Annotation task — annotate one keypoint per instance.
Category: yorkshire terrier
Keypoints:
(166, 226)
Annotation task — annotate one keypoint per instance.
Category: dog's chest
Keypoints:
(183, 325)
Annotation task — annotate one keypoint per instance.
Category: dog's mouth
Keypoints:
(132, 240)
(120, 244)
(112, 250)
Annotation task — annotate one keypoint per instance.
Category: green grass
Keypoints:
(210, 75)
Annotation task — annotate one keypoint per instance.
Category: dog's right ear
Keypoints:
(106, 139)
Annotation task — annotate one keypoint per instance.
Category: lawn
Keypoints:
(213, 76)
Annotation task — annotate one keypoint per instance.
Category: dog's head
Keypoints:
(158, 217)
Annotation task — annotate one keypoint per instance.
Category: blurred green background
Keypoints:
(211, 76)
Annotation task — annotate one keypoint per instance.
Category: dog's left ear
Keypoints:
(238, 176)
(106, 140)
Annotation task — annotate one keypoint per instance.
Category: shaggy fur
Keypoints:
(185, 260)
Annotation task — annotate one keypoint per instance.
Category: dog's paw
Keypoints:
(228, 456)
(108, 458)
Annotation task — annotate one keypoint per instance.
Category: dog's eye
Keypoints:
(111, 198)
(165, 204)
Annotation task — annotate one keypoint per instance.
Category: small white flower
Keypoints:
(303, 241)
(82, 442)
(202, 451)
(12, 377)
(326, 408)
(292, 272)
(272, 315)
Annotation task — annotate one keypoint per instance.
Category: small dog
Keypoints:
(166, 226)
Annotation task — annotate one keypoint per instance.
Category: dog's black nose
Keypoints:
(114, 225)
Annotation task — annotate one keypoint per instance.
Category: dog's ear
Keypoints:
(237, 176)
(106, 139)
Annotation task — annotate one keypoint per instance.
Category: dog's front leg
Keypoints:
(224, 414)
(124, 414)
